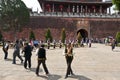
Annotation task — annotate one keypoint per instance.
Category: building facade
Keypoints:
(89, 17)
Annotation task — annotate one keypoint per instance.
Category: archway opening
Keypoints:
(83, 33)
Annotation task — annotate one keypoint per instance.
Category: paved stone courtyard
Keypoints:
(96, 63)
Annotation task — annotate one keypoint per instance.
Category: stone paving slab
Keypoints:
(96, 63)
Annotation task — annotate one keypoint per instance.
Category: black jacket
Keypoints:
(42, 53)
(28, 51)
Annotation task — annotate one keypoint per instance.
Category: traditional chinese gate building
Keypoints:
(92, 18)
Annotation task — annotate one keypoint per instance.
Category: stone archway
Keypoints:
(83, 33)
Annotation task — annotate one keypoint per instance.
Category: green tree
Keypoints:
(117, 4)
(32, 36)
(48, 35)
(118, 37)
(13, 15)
(79, 37)
(63, 35)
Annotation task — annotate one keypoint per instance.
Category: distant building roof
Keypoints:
(95, 2)
(76, 0)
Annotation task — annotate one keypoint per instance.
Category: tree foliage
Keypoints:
(117, 4)
(118, 37)
(13, 15)
(79, 37)
(1, 36)
(48, 35)
(32, 36)
(63, 35)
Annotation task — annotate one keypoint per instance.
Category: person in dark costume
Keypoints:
(27, 54)
(41, 59)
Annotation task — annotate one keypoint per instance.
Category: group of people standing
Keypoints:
(27, 50)
(111, 41)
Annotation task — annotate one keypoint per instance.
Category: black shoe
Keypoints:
(13, 63)
(25, 67)
(72, 74)
(22, 62)
(68, 73)
(37, 74)
(66, 77)
(5, 58)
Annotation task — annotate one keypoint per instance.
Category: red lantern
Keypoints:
(48, 7)
(61, 7)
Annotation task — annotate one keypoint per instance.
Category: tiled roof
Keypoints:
(76, 0)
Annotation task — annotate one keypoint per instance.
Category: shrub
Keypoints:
(63, 35)
(48, 35)
(118, 37)
(79, 37)
(32, 36)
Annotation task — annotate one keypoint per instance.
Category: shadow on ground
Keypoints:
(34, 70)
(50, 77)
(54, 77)
(20, 64)
(116, 50)
(57, 77)
(79, 77)
(9, 59)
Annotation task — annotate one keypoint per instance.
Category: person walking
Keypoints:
(113, 44)
(69, 59)
(5, 49)
(27, 54)
(17, 52)
(41, 59)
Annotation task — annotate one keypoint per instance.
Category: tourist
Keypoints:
(5, 49)
(17, 52)
(82, 43)
(113, 44)
(90, 42)
(36, 43)
(41, 59)
(69, 59)
(28, 53)
(76, 43)
(87, 41)
(48, 44)
(60, 44)
(54, 44)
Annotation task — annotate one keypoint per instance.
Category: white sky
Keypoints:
(34, 4)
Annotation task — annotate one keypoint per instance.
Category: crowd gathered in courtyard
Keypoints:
(27, 47)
